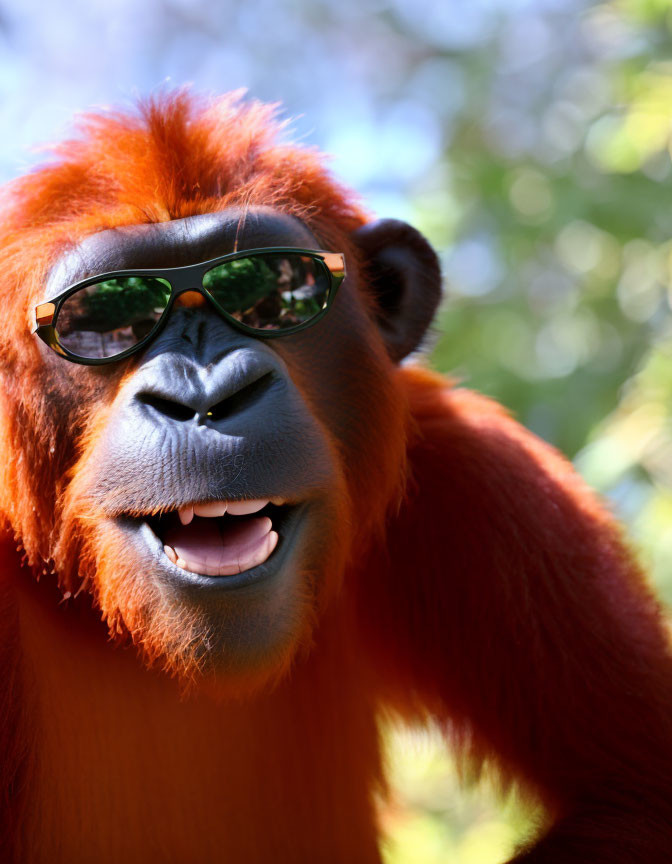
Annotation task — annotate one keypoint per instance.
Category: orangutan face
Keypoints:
(212, 504)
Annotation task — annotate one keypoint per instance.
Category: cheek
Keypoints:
(352, 386)
(73, 401)
(341, 367)
(44, 416)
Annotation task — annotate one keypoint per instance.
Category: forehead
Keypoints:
(177, 243)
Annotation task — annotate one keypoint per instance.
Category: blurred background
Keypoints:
(530, 141)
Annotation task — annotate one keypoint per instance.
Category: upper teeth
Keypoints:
(210, 509)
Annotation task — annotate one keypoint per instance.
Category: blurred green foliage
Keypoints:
(431, 819)
(558, 181)
(560, 239)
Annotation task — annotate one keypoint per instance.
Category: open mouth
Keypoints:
(221, 538)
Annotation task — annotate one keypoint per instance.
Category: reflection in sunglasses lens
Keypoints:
(270, 291)
(106, 318)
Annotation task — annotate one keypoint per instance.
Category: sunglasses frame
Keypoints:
(181, 280)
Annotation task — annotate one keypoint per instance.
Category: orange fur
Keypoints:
(468, 573)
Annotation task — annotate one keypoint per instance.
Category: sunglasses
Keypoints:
(263, 292)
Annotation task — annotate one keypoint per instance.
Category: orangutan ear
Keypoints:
(402, 271)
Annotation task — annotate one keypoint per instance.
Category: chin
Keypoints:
(238, 624)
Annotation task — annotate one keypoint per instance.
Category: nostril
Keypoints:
(235, 403)
(242, 399)
(174, 410)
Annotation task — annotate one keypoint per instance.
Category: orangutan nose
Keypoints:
(175, 388)
(204, 406)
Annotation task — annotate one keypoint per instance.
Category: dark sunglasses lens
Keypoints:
(106, 318)
(272, 291)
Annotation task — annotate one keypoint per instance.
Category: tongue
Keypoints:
(221, 547)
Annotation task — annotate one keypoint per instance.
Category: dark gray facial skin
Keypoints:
(219, 405)
(209, 413)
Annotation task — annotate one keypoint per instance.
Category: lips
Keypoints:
(220, 538)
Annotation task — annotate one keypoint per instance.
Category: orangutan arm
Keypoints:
(509, 606)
